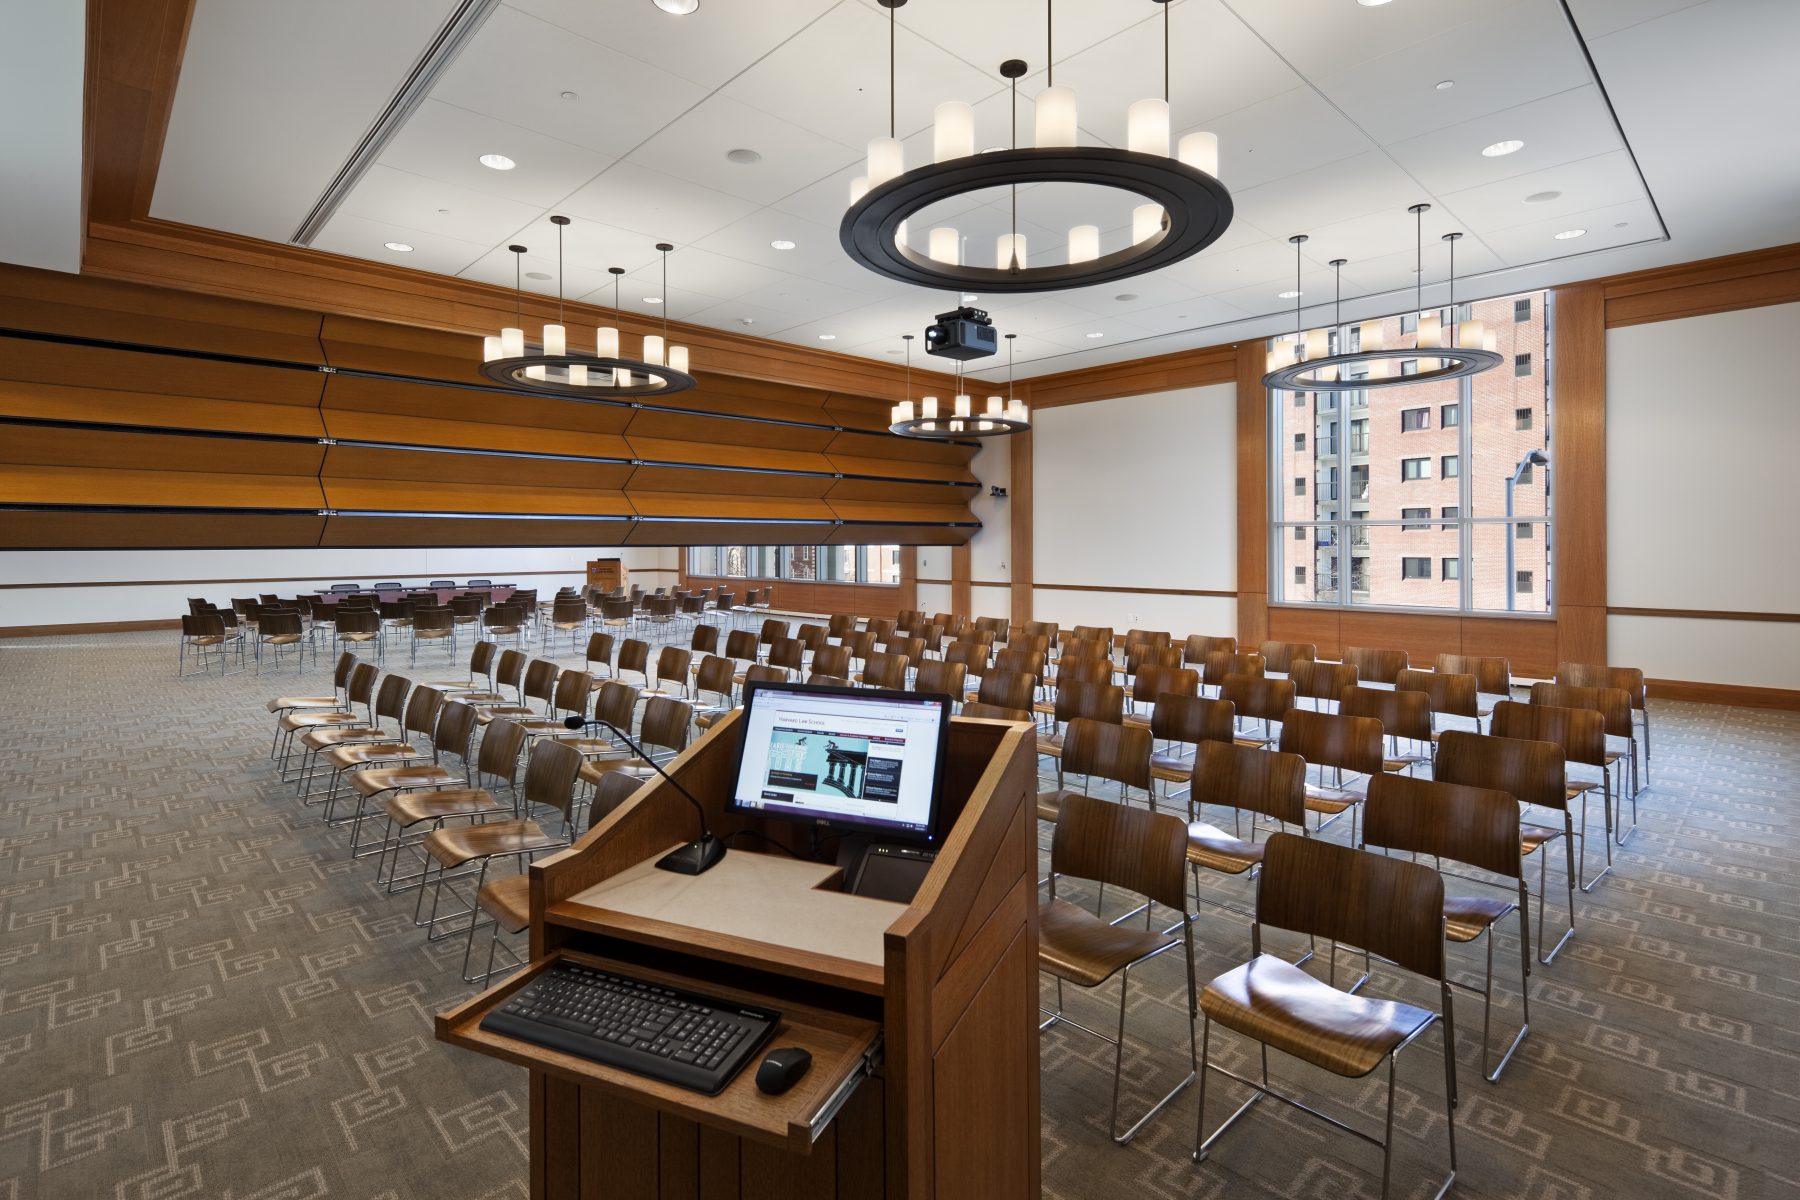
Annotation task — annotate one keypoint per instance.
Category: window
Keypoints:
(829, 564)
(1415, 468)
(1415, 568)
(1409, 322)
(1359, 436)
(1414, 514)
(1449, 512)
(1452, 466)
(1521, 418)
(1522, 529)
(1299, 574)
(1299, 399)
(1525, 473)
(1522, 582)
(1521, 365)
(1449, 416)
(1299, 533)
(1299, 485)
(1299, 441)
(1452, 568)
(1414, 418)
(1409, 366)
(1522, 309)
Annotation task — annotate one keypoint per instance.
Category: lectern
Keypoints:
(921, 1017)
(607, 573)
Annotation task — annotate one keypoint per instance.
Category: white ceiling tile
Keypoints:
(1535, 241)
(1586, 183)
(1367, 183)
(1598, 18)
(1319, 37)
(496, 267)
(362, 237)
(1282, 136)
(733, 315)
(816, 253)
(1562, 128)
(402, 198)
(694, 148)
(1194, 312)
(1111, 329)
(713, 274)
(446, 143)
(1392, 274)
(986, 34)
(662, 207)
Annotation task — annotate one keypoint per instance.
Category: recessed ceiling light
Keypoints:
(398, 247)
(743, 157)
(782, 244)
(1542, 197)
(1126, 297)
(1620, 224)
(969, 297)
(1371, 3)
(652, 299)
(442, 212)
(571, 95)
(1501, 149)
(1444, 85)
(1288, 295)
(746, 320)
(1096, 335)
(538, 275)
(1568, 234)
(828, 337)
(677, 8)
(498, 162)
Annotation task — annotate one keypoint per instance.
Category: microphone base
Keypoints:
(693, 858)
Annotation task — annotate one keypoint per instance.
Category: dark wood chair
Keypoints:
(1198, 645)
(1342, 744)
(1629, 679)
(1614, 706)
(1102, 750)
(1323, 682)
(1404, 716)
(1581, 732)
(1375, 666)
(1280, 657)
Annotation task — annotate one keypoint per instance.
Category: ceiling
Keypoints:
(1330, 116)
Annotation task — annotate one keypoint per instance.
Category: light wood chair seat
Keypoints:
(293, 722)
(1253, 742)
(1075, 945)
(465, 843)
(510, 712)
(421, 775)
(598, 769)
(344, 735)
(291, 703)
(508, 901)
(1170, 767)
(1533, 836)
(1211, 847)
(1280, 1005)
(409, 808)
(479, 698)
(1465, 917)
(1329, 800)
(1403, 762)
(1049, 804)
(590, 747)
(344, 758)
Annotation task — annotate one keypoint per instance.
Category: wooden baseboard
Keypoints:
(26, 631)
(1787, 699)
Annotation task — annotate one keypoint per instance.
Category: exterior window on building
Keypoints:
(1525, 474)
(1299, 399)
(1523, 529)
(1414, 418)
(1521, 418)
(1299, 574)
(1521, 364)
(1299, 485)
(1452, 466)
(1416, 568)
(1522, 309)
(1409, 322)
(1522, 583)
(1299, 441)
(1449, 512)
(1414, 514)
(1415, 468)
(1359, 436)
(1452, 568)
(1299, 534)
(1449, 416)
(1409, 366)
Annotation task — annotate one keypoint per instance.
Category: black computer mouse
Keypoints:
(781, 1069)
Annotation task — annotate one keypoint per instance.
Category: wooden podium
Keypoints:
(607, 573)
(921, 1018)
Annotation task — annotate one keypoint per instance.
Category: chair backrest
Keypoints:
(616, 787)
(1084, 648)
(615, 703)
(1025, 661)
(340, 674)
(771, 629)
(860, 643)
(1281, 656)
(1094, 633)
(455, 729)
(1376, 666)
(787, 653)
(741, 644)
(672, 662)
(1532, 772)
(1083, 670)
(1478, 827)
(1322, 680)
(1144, 655)
(1199, 645)
(840, 624)
(764, 673)
(1269, 782)
(571, 611)
(1333, 740)
(1613, 704)
(1581, 732)
(502, 617)
(1092, 699)
(1151, 683)
(993, 712)
(1132, 848)
(500, 748)
(422, 710)
(1155, 639)
(936, 675)
(1391, 907)
(1007, 689)
(1221, 663)
(884, 670)
(666, 722)
(912, 647)
(811, 636)
(1258, 697)
(396, 610)
(1402, 714)
(716, 675)
(572, 690)
(820, 679)
(832, 660)
(466, 606)
(202, 625)
(361, 689)
(1050, 631)
(433, 620)
(390, 698)
(1029, 643)
(286, 624)
(1107, 751)
(600, 648)
(634, 655)
(550, 774)
(540, 680)
(1193, 719)
(971, 655)
(705, 639)
(1492, 675)
(1630, 679)
(997, 626)
(1451, 695)
(883, 627)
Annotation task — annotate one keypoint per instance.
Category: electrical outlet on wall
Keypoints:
(1133, 617)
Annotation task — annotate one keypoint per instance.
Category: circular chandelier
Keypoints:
(554, 369)
(1002, 415)
(1186, 208)
(1466, 348)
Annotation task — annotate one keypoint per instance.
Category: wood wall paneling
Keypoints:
(1252, 493)
(1020, 496)
(134, 56)
(1322, 627)
(159, 531)
(54, 402)
(1736, 281)
(381, 531)
(1138, 377)
(99, 370)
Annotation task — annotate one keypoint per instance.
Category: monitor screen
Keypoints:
(855, 758)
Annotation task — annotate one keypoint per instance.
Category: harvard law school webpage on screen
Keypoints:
(841, 757)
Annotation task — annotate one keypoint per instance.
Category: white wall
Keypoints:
(284, 572)
(1099, 473)
(1702, 492)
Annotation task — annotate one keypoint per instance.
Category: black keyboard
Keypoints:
(683, 1038)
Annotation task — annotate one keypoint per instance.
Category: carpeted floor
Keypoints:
(201, 996)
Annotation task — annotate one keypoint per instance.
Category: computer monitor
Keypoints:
(860, 760)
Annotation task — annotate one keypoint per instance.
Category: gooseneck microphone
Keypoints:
(695, 857)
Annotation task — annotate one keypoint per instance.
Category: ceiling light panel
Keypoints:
(694, 147)
(445, 143)
(1563, 128)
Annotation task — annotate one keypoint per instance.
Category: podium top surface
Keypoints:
(756, 908)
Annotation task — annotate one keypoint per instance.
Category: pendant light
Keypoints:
(999, 416)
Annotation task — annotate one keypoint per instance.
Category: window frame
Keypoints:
(864, 564)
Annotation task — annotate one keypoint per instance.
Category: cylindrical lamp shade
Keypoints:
(1009, 251)
(1379, 368)
(928, 408)
(903, 411)
(952, 131)
(653, 349)
(556, 341)
(537, 373)
(1318, 344)
(621, 377)
(945, 246)
(1200, 151)
(1281, 354)
(887, 159)
(1146, 222)
(1373, 335)
(859, 187)
(512, 342)
(995, 405)
(578, 375)
(964, 406)
(900, 236)
(490, 349)
(1430, 331)
(1147, 127)
(606, 342)
(1056, 125)
(1470, 334)
(1084, 243)
(678, 358)
(1490, 340)
(1017, 411)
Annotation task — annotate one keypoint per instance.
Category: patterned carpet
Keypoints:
(201, 997)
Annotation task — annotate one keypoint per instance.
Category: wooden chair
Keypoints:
(1385, 906)
(1321, 681)
(1450, 695)
(1533, 773)
(414, 793)
(789, 654)
(1006, 689)
(1198, 646)
(1077, 670)
(1630, 679)
(773, 630)
(1493, 676)
(840, 625)
(280, 631)
(502, 621)
(1090, 699)
(1479, 828)
(935, 676)
(812, 637)
(973, 657)
(1404, 716)
(1258, 698)
(1186, 721)
(1221, 664)
(390, 703)
(432, 625)
(1614, 707)
(673, 665)
(1103, 634)
(832, 660)
(295, 719)
(666, 726)
(705, 639)
(634, 658)
(1151, 683)
(1351, 744)
(860, 643)
(1581, 732)
(996, 626)
(1143, 853)
(1266, 784)
(884, 670)
(568, 616)
(715, 676)
(1375, 666)
(1083, 648)
(614, 705)
(1280, 657)
(883, 627)
(539, 685)
(1048, 630)
(509, 674)
(204, 635)
(993, 712)
(574, 690)
(337, 702)
(599, 655)
(1143, 655)
(1100, 750)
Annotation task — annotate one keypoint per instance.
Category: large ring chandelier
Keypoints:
(960, 420)
(553, 368)
(1466, 348)
(1186, 208)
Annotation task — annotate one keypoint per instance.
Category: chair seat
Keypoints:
(1250, 742)
(285, 639)
(1330, 800)
(1576, 787)
(597, 770)
(464, 843)
(1216, 850)
(294, 721)
(1533, 836)
(589, 747)
(1075, 945)
(342, 735)
(345, 757)
(1466, 916)
(508, 901)
(421, 775)
(1049, 804)
(290, 703)
(409, 808)
(1280, 1005)
(1175, 766)
(1132, 718)
(496, 711)
(206, 639)
(1051, 744)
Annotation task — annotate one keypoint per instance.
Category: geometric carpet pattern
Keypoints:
(202, 996)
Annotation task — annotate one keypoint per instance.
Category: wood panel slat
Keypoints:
(102, 370)
(875, 510)
(897, 534)
(53, 402)
(497, 475)
(158, 531)
(1528, 645)
(724, 431)
(450, 496)
(105, 450)
(877, 447)
(520, 421)
(383, 531)
(704, 481)
(20, 484)
(889, 491)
